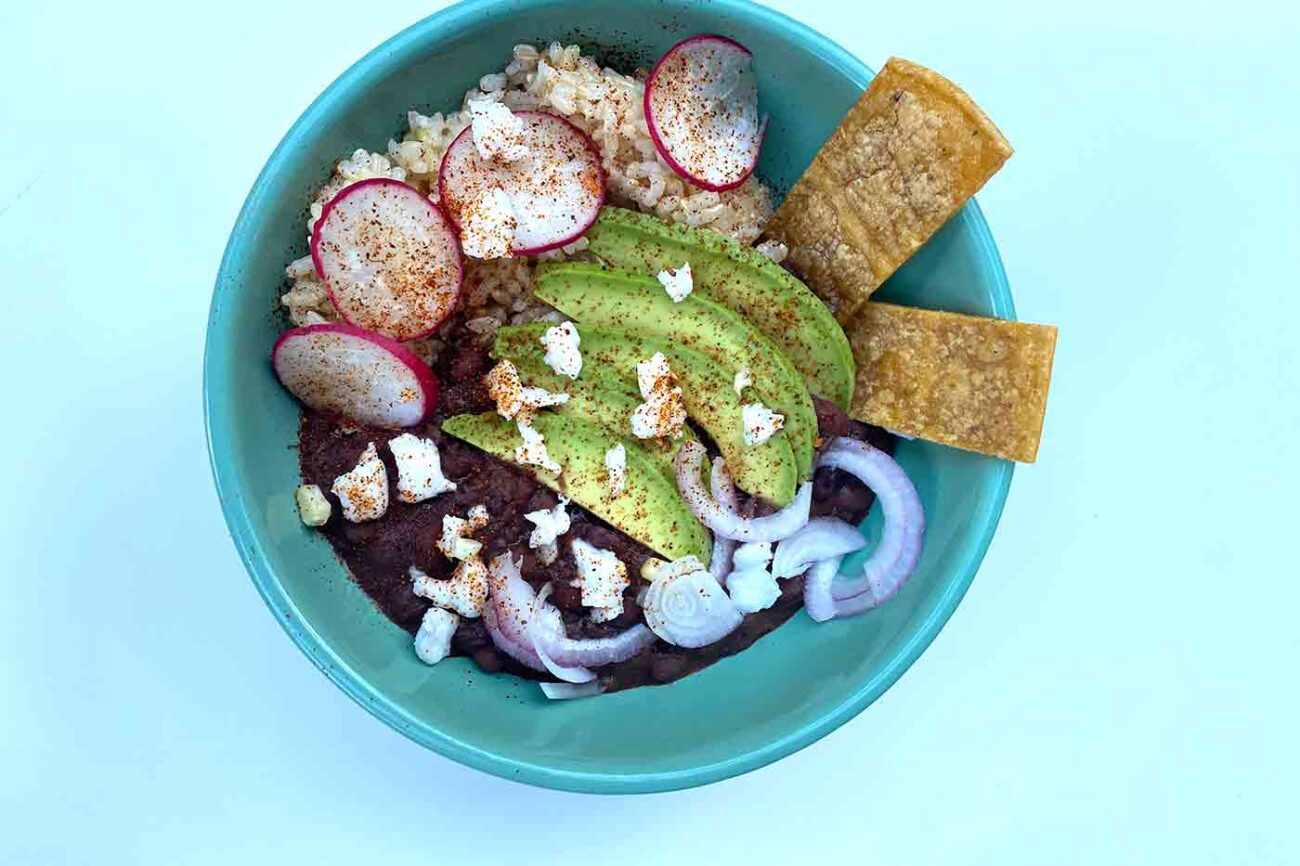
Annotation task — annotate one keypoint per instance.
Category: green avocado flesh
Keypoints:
(649, 509)
(610, 355)
(743, 279)
(608, 401)
(603, 297)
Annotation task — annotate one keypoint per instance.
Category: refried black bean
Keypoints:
(378, 554)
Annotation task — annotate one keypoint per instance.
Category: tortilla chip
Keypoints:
(973, 383)
(903, 161)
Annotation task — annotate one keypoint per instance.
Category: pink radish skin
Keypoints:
(389, 258)
(362, 376)
(557, 210)
(711, 144)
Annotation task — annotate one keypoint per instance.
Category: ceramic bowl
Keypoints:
(790, 688)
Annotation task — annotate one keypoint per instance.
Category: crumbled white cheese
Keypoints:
(363, 491)
(465, 591)
(513, 398)
(419, 468)
(654, 374)
(616, 468)
(761, 423)
(548, 553)
(455, 542)
(744, 379)
(753, 590)
(533, 450)
(678, 284)
(750, 585)
(498, 134)
(663, 414)
(752, 554)
(561, 345)
(313, 507)
(602, 577)
(433, 640)
(488, 224)
(550, 524)
(774, 250)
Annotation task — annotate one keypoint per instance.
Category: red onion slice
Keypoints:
(544, 623)
(570, 691)
(550, 641)
(510, 606)
(728, 524)
(896, 554)
(687, 607)
(822, 538)
(817, 582)
(725, 495)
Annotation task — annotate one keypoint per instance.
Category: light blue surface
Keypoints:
(1118, 686)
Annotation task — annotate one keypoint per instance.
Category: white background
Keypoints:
(1119, 686)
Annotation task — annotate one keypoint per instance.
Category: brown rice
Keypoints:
(605, 104)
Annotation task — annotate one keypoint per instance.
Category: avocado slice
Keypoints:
(739, 277)
(611, 354)
(604, 297)
(650, 509)
(608, 401)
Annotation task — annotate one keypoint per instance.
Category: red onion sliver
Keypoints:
(716, 517)
(725, 495)
(546, 622)
(686, 607)
(510, 606)
(899, 548)
(822, 538)
(550, 641)
(817, 582)
(569, 691)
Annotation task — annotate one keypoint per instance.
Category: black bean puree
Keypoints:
(379, 553)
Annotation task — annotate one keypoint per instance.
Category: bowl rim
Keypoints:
(358, 76)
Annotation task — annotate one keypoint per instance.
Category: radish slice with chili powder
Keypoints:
(701, 107)
(362, 376)
(552, 194)
(389, 258)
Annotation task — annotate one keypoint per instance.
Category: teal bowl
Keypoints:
(786, 691)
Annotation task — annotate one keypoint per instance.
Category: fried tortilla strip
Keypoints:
(901, 164)
(973, 383)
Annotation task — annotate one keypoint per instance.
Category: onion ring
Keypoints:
(773, 527)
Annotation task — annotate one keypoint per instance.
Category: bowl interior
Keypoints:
(788, 689)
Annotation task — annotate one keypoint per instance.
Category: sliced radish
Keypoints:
(389, 257)
(701, 106)
(363, 376)
(553, 193)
